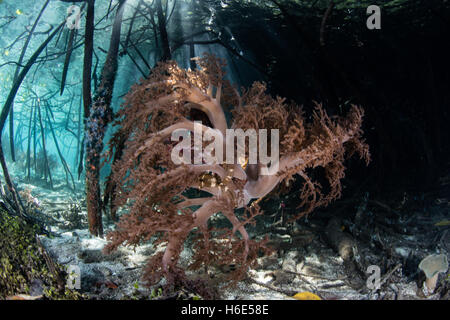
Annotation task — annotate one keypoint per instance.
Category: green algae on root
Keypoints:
(22, 263)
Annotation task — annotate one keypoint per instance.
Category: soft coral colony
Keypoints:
(158, 194)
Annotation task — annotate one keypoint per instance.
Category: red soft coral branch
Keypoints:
(158, 194)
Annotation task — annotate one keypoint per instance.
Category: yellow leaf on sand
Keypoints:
(306, 296)
(442, 223)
